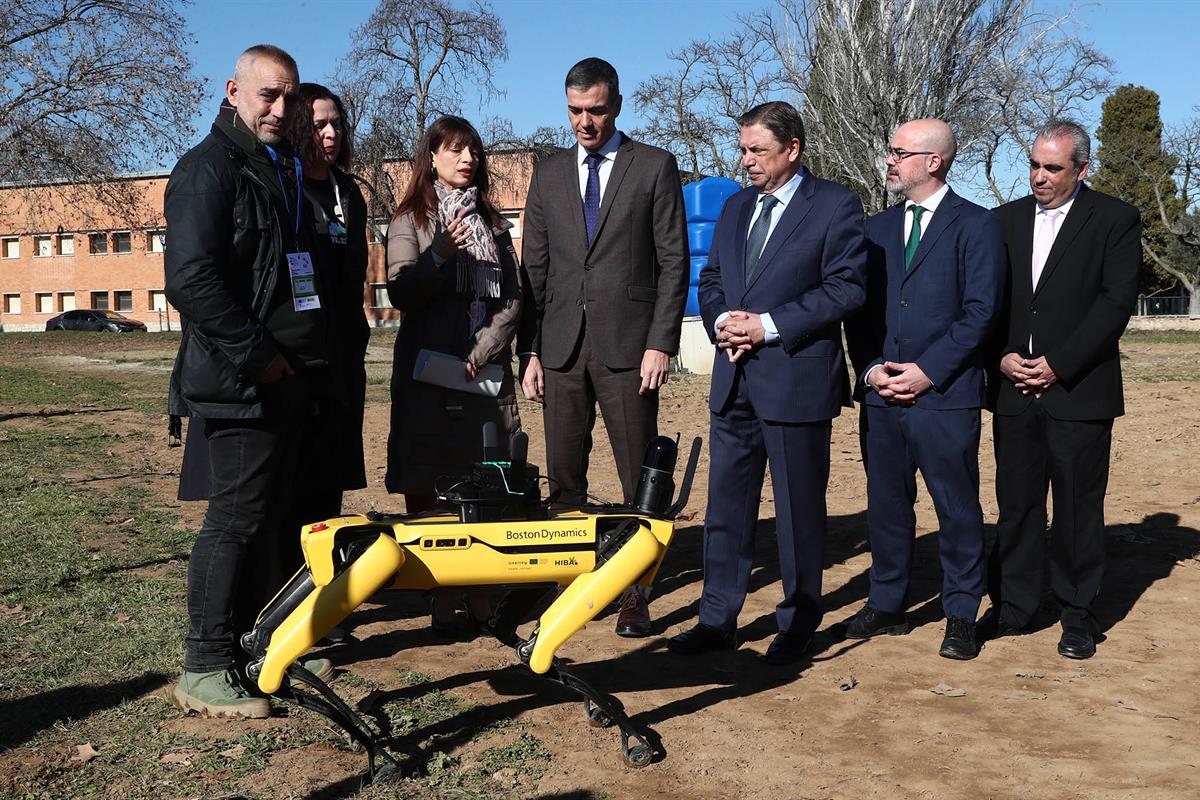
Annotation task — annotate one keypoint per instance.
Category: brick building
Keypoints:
(62, 246)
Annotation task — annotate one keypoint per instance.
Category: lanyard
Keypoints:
(337, 200)
(299, 185)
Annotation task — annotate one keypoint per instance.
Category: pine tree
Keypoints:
(1132, 160)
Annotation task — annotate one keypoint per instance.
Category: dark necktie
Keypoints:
(914, 236)
(591, 194)
(758, 233)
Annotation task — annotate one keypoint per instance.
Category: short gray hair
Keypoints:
(1082, 150)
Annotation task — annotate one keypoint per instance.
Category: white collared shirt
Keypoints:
(930, 205)
(609, 151)
(784, 195)
(1039, 215)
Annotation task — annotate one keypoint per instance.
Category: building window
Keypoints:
(379, 296)
(12, 304)
(98, 244)
(513, 216)
(66, 245)
(158, 300)
(100, 301)
(11, 247)
(43, 246)
(45, 302)
(156, 241)
(122, 242)
(66, 301)
(124, 300)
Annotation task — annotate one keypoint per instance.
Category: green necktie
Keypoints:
(914, 236)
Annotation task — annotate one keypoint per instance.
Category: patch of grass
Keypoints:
(525, 755)
(27, 386)
(63, 389)
(1161, 337)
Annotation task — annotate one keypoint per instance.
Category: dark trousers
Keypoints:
(267, 478)
(1033, 451)
(944, 446)
(740, 447)
(571, 397)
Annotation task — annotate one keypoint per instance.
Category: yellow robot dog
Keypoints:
(504, 536)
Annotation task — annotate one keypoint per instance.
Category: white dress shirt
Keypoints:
(1040, 219)
(930, 204)
(609, 151)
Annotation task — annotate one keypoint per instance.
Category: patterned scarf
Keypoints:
(479, 262)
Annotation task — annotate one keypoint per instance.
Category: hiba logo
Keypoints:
(566, 562)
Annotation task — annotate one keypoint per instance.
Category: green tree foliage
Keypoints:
(1132, 161)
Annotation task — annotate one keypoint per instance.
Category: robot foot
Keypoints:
(326, 703)
(603, 711)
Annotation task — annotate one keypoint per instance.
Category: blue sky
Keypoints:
(1153, 44)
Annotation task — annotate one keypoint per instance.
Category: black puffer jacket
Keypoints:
(225, 258)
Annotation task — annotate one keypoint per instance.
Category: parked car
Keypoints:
(90, 319)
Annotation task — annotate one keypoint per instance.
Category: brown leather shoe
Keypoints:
(633, 621)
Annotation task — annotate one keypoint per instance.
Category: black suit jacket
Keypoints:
(1080, 307)
(633, 277)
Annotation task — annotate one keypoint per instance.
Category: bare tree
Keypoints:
(692, 110)
(92, 89)
(1181, 215)
(412, 62)
(1046, 73)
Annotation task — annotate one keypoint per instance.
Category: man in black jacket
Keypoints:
(1074, 255)
(252, 365)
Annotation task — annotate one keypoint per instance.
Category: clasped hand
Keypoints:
(739, 333)
(1030, 375)
(900, 383)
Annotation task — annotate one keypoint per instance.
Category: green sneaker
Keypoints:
(321, 667)
(218, 694)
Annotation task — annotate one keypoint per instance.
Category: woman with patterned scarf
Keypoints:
(453, 272)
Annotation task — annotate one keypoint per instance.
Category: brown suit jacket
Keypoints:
(631, 282)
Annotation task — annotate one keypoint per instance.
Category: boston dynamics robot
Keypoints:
(504, 536)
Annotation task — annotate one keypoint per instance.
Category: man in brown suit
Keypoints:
(605, 248)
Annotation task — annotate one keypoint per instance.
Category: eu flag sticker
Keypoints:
(533, 561)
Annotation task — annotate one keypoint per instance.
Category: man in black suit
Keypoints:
(1074, 255)
(605, 248)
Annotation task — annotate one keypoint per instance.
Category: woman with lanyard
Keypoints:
(321, 138)
(452, 270)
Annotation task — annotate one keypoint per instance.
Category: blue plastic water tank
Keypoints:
(700, 236)
(704, 199)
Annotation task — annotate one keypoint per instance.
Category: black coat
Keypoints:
(1080, 307)
(222, 262)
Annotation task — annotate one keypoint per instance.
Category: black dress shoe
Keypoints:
(702, 639)
(959, 642)
(787, 647)
(996, 625)
(633, 621)
(872, 622)
(1077, 642)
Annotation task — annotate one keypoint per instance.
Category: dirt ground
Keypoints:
(861, 719)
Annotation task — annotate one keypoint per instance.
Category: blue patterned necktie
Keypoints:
(591, 195)
(757, 239)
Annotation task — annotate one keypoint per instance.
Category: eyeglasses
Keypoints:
(896, 154)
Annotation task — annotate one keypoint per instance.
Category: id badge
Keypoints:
(304, 282)
(475, 313)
